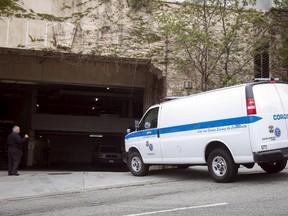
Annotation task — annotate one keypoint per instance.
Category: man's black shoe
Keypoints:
(14, 174)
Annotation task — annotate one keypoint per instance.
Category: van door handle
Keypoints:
(158, 133)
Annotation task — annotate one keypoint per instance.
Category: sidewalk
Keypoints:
(41, 183)
(45, 183)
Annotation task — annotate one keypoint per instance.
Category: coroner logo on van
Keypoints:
(277, 132)
(280, 116)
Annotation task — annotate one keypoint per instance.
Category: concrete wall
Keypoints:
(73, 71)
(20, 33)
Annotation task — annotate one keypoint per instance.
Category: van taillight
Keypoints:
(251, 108)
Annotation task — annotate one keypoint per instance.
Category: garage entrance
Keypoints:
(70, 110)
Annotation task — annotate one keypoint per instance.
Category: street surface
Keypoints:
(184, 192)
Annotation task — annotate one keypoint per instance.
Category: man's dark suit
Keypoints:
(15, 145)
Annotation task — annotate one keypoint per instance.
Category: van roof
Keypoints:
(202, 93)
(219, 89)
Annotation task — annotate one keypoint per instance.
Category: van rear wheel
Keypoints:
(136, 165)
(222, 166)
(273, 167)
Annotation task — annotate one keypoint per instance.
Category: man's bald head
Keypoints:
(16, 129)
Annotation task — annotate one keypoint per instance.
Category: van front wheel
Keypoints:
(136, 165)
(222, 166)
(273, 167)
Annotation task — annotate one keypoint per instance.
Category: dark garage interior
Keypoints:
(66, 137)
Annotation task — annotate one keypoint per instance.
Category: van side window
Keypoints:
(150, 120)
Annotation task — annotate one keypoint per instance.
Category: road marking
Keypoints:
(178, 209)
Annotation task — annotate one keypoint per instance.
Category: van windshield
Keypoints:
(150, 120)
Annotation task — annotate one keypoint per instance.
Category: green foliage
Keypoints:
(35, 39)
(48, 51)
(283, 51)
(9, 7)
(97, 51)
(141, 35)
(140, 4)
(104, 1)
(280, 4)
(215, 38)
(5, 4)
(50, 17)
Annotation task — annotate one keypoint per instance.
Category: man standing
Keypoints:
(15, 145)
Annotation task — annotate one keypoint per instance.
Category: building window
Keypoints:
(261, 62)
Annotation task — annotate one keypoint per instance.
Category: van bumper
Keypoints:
(270, 156)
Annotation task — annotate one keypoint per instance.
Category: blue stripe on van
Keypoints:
(195, 126)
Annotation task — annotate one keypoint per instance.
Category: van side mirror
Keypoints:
(136, 124)
(133, 128)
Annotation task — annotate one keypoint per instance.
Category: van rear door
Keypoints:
(271, 101)
(283, 94)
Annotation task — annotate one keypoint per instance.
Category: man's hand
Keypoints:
(26, 136)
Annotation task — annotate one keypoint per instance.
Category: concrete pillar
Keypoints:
(31, 142)
(30, 153)
(130, 108)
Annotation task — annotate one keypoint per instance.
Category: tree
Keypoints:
(280, 32)
(6, 4)
(215, 40)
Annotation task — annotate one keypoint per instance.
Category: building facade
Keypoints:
(75, 74)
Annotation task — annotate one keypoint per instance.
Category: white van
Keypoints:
(224, 128)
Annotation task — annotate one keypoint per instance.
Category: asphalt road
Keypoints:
(192, 193)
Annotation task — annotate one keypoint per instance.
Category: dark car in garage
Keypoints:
(109, 154)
